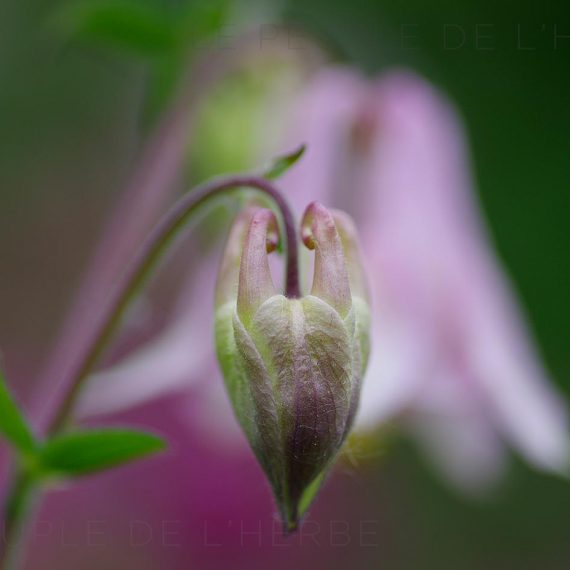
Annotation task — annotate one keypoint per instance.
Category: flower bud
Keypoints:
(293, 367)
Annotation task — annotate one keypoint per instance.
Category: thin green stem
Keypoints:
(18, 506)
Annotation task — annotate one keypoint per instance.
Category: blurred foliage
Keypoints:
(135, 27)
(165, 37)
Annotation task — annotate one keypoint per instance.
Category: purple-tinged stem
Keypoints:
(156, 244)
(110, 316)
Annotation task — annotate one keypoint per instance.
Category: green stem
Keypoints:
(18, 506)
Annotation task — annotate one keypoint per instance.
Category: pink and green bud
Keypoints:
(293, 366)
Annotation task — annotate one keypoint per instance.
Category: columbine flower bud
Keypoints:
(293, 367)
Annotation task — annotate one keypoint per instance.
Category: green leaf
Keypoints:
(86, 452)
(283, 163)
(13, 425)
(136, 27)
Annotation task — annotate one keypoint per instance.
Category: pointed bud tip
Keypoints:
(317, 222)
(255, 282)
(330, 279)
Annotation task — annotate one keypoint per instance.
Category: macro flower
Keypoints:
(453, 364)
(191, 408)
(293, 366)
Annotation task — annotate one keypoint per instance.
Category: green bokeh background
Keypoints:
(70, 129)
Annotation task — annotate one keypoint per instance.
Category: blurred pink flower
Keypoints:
(452, 362)
(451, 357)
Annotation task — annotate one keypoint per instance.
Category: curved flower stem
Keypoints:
(23, 487)
(155, 246)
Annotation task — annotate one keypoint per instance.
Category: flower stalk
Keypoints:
(147, 258)
(24, 486)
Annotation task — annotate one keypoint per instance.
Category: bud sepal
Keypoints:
(292, 366)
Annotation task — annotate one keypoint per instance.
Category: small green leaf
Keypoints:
(283, 163)
(13, 425)
(86, 452)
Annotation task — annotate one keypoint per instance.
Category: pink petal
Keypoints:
(393, 155)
